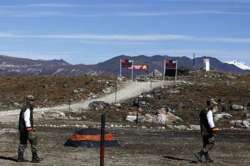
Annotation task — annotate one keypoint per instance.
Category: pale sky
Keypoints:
(91, 31)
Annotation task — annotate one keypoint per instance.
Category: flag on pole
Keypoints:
(125, 63)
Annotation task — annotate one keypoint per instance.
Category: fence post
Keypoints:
(102, 143)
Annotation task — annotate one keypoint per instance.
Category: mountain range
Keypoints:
(239, 64)
(23, 66)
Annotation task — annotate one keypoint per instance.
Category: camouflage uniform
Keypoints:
(207, 131)
(26, 131)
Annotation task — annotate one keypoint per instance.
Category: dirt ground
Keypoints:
(139, 147)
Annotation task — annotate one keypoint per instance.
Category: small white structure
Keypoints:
(207, 64)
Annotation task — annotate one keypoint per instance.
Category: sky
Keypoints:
(92, 31)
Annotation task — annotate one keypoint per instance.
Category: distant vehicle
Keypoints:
(142, 78)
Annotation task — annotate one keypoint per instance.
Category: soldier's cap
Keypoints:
(30, 98)
(212, 101)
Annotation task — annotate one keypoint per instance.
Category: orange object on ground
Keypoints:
(78, 137)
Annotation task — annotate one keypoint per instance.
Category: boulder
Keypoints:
(164, 117)
(171, 118)
(8, 130)
(194, 127)
(54, 115)
(108, 90)
(222, 115)
(236, 107)
(240, 123)
(149, 118)
(75, 91)
(98, 105)
(131, 117)
(180, 127)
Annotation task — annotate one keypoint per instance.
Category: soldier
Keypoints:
(137, 104)
(26, 131)
(208, 130)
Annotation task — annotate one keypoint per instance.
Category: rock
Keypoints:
(142, 103)
(149, 96)
(170, 126)
(171, 110)
(81, 89)
(108, 90)
(246, 123)
(161, 118)
(92, 95)
(222, 115)
(149, 118)
(248, 115)
(174, 91)
(236, 107)
(8, 130)
(65, 85)
(121, 78)
(54, 115)
(240, 123)
(194, 127)
(164, 117)
(98, 105)
(17, 104)
(118, 105)
(132, 113)
(181, 127)
(131, 118)
(75, 91)
(171, 118)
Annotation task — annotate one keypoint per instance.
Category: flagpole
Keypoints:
(176, 71)
(164, 69)
(132, 70)
(120, 68)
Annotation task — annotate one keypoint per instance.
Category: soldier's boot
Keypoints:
(199, 155)
(35, 158)
(20, 153)
(208, 159)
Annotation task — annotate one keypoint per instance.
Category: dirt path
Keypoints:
(139, 147)
(129, 90)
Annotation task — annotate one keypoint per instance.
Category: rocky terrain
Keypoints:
(51, 90)
(165, 133)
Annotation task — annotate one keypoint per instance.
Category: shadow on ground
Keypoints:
(180, 159)
(8, 158)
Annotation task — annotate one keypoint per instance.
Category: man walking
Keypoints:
(26, 131)
(208, 130)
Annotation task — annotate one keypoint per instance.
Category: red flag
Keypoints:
(126, 63)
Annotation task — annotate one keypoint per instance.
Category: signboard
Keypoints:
(170, 68)
(139, 67)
